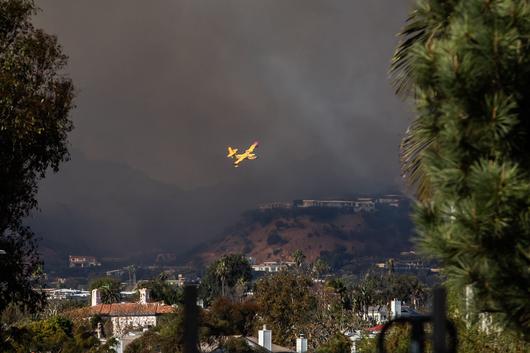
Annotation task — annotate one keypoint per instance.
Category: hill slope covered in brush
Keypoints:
(334, 234)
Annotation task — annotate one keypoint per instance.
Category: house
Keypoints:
(275, 205)
(262, 344)
(264, 340)
(61, 294)
(379, 314)
(361, 204)
(124, 317)
(390, 200)
(272, 266)
(354, 337)
(82, 261)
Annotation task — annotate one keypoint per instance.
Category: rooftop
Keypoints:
(275, 347)
(124, 309)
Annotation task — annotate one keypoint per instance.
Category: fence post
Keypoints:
(439, 320)
(191, 320)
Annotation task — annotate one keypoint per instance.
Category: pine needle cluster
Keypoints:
(466, 64)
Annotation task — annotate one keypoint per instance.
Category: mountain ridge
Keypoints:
(335, 234)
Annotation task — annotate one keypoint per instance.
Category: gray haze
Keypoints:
(164, 86)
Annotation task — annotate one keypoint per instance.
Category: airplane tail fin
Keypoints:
(231, 152)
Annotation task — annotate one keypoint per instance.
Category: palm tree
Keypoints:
(222, 271)
(109, 288)
(320, 267)
(299, 258)
(425, 23)
(418, 294)
(109, 294)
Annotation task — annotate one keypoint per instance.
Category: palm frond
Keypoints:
(412, 171)
(401, 65)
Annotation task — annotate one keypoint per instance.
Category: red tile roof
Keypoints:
(123, 309)
(377, 328)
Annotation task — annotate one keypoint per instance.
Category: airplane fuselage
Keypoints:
(238, 158)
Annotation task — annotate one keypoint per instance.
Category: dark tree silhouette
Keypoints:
(35, 99)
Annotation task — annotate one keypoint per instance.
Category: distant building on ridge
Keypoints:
(82, 261)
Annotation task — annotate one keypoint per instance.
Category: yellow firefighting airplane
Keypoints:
(238, 158)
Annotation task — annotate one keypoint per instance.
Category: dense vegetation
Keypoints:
(228, 276)
(466, 64)
(109, 288)
(35, 100)
(55, 334)
(338, 236)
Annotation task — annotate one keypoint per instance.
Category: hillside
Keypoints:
(334, 234)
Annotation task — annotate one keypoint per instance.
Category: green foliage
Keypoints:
(299, 258)
(225, 318)
(55, 334)
(337, 344)
(339, 287)
(166, 337)
(230, 273)
(237, 345)
(160, 290)
(397, 340)
(336, 258)
(35, 99)
(286, 304)
(469, 70)
(320, 267)
(471, 339)
(149, 342)
(110, 289)
(381, 288)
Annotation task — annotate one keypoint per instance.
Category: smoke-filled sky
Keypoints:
(164, 86)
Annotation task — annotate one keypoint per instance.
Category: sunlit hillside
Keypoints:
(335, 234)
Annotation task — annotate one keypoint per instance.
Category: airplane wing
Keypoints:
(231, 152)
(240, 158)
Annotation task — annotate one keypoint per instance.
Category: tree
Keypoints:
(466, 153)
(222, 271)
(226, 318)
(160, 290)
(364, 294)
(331, 315)
(238, 345)
(149, 342)
(337, 344)
(340, 288)
(299, 258)
(228, 272)
(320, 267)
(397, 340)
(55, 334)
(286, 304)
(109, 288)
(35, 99)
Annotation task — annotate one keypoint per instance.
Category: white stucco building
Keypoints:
(125, 317)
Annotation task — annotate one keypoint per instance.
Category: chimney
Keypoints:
(95, 297)
(144, 295)
(301, 344)
(395, 308)
(265, 338)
